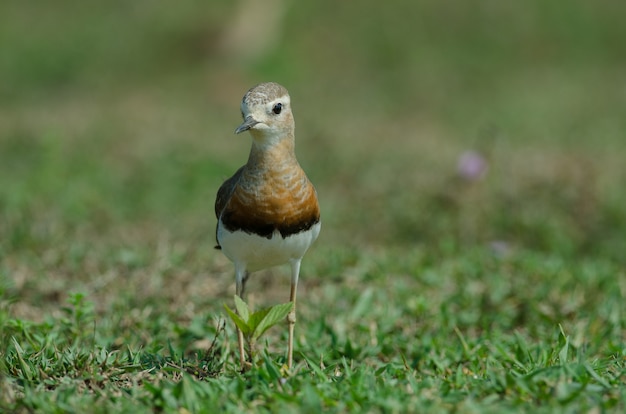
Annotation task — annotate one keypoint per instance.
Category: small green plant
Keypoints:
(254, 325)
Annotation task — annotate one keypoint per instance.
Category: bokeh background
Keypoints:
(426, 127)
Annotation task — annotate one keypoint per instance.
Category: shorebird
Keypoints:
(267, 212)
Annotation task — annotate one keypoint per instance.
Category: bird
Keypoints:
(268, 212)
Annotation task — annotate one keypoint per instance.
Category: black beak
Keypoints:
(248, 123)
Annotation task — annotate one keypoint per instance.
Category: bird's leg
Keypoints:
(291, 317)
(241, 276)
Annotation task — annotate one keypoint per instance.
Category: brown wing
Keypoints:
(225, 192)
(223, 195)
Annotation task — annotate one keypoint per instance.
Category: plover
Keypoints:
(267, 212)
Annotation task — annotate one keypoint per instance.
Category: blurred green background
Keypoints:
(117, 119)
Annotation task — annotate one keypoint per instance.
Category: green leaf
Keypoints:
(242, 309)
(256, 318)
(241, 324)
(274, 315)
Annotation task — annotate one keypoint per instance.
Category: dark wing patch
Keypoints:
(223, 195)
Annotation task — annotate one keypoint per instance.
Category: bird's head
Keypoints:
(266, 111)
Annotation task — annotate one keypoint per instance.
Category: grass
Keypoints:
(428, 290)
(506, 340)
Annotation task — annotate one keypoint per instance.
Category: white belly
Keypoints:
(256, 252)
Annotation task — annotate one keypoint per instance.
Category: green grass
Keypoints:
(426, 292)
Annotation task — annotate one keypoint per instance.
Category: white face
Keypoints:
(273, 116)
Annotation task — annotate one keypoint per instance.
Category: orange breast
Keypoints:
(274, 201)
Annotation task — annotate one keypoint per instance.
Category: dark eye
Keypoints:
(277, 108)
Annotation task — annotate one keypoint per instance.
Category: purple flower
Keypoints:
(472, 166)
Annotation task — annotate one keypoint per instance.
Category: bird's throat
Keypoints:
(272, 154)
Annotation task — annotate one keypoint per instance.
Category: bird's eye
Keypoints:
(277, 108)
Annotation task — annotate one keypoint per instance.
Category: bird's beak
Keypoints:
(248, 123)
